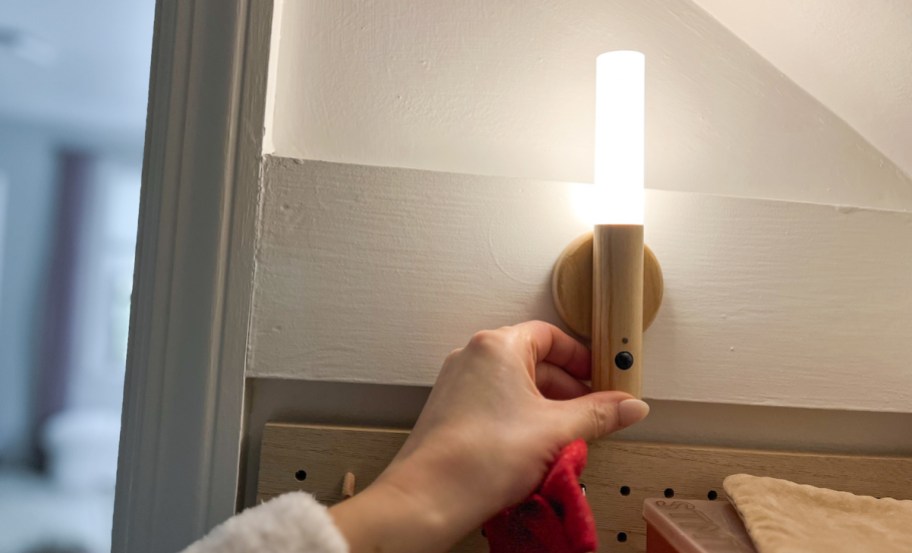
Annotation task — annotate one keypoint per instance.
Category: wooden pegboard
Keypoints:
(619, 476)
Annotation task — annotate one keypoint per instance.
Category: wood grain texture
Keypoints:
(375, 274)
(741, 426)
(646, 470)
(617, 308)
(571, 286)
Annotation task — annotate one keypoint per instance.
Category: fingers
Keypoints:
(600, 413)
(551, 345)
(554, 383)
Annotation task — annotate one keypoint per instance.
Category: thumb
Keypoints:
(601, 413)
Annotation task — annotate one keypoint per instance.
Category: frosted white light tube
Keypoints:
(620, 85)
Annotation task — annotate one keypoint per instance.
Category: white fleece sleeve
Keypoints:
(291, 523)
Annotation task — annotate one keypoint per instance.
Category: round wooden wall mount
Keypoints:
(571, 286)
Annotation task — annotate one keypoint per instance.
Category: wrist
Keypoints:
(435, 495)
(388, 517)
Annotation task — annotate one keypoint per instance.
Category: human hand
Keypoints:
(501, 410)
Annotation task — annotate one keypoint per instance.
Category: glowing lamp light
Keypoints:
(620, 85)
(608, 286)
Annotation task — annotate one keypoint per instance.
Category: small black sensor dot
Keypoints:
(301, 475)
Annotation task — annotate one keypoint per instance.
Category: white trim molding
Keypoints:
(183, 398)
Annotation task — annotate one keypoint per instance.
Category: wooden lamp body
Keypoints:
(616, 314)
(617, 308)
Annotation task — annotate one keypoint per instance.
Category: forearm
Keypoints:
(416, 505)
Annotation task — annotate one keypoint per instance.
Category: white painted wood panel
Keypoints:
(507, 88)
(370, 274)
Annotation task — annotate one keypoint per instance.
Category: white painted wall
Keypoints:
(506, 88)
(370, 274)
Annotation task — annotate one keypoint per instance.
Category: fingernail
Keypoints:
(632, 411)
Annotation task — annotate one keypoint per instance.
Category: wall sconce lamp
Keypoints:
(608, 285)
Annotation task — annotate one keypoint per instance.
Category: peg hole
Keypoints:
(622, 537)
(669, 493)
(712, 495)
(301, 475)
(625, 490)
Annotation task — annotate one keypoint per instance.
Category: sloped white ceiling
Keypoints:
(854, 56)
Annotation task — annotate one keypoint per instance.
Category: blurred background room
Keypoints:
(73, 90)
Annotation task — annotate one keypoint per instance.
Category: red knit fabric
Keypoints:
(556, 518)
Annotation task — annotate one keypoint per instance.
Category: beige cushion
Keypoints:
(784, 517)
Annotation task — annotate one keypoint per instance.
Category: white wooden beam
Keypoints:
(369, 274)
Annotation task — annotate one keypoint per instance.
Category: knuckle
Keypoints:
(451, 356)
(485, 341)
(600, 423)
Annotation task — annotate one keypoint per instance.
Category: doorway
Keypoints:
(72, 119)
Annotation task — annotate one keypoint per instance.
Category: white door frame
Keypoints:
(184, 392)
